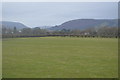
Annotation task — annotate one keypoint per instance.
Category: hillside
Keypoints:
(11, 25)
(86, 23)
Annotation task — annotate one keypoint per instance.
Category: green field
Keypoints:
(0, 58)
(60, 57)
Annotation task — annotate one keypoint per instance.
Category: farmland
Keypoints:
(60, 57)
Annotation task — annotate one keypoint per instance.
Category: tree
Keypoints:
(91, 32)
(108, 32)
(26, 32)
(15, 30)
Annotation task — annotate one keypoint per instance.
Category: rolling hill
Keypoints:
(11, 25)
(85, 23)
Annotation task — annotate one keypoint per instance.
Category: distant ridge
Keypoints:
(86, 23)
(11, 25)
(80, 24)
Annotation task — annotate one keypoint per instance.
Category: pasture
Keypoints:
(60, 57)
(0, 58)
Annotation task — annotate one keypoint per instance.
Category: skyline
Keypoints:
(55, 13)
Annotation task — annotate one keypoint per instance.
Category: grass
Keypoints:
(60, 57)
(0, 58)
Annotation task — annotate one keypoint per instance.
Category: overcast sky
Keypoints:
(35, 14)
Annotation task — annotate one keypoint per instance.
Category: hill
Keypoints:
(11, 25)
(85, 23)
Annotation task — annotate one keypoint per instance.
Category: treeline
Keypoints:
(108, 32)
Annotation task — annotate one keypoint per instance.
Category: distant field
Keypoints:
(60, 57)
